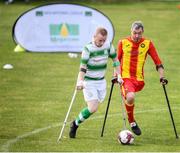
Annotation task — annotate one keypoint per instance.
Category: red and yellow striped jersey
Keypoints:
(132, 57)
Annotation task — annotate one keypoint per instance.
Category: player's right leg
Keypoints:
(129, 94)
(83, 115)
(91, 97)
(129, 104)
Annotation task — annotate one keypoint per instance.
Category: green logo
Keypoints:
(88, 13)
(64, 32)
(39, 13)
(64, 29)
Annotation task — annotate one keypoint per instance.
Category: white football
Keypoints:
(125, 137)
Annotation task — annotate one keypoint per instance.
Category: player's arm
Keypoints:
(116, 65)
(160, 69)
(119, 50)
(82, 69)
(82, 72)
(159, 66)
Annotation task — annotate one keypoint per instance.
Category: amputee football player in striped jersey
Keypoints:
(132, 53)
(91, 79)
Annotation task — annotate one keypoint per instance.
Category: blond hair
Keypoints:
(102, 31)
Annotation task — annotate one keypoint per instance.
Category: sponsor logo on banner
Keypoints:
(64, 32)
(59, 27)
(39, 13)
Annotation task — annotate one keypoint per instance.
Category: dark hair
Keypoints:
(137, 25)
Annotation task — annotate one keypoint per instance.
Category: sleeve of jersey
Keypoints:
(112, 53)
(154, 55)
(119, 50)
(85, 56)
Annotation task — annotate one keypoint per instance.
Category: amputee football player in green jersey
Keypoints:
(91, 79)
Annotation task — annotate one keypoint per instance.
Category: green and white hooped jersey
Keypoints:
(96, 58)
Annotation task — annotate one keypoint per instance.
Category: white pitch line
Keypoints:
(5, 147)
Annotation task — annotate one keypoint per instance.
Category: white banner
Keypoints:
(59, 27)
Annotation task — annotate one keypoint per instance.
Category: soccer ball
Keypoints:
(125, 137)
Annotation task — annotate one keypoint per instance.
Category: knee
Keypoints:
(130, 97)
(93, 109)
(93, 106)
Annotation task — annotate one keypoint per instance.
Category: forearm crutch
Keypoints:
(171, 115)
(65, 120)
(123, 108)
(109, 99)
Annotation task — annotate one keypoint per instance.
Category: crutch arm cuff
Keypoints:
(163, 81)
(159, 66)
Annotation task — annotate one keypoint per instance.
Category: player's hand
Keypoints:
(80, 85)
(119, 79)
(114, 79)
(163, 81)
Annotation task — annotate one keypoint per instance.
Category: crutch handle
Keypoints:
(114, 80)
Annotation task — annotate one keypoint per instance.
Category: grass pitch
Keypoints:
(35, 95)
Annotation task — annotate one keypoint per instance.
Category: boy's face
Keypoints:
(136, 34)
(99, 39)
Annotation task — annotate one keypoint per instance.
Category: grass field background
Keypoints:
(35, 95)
